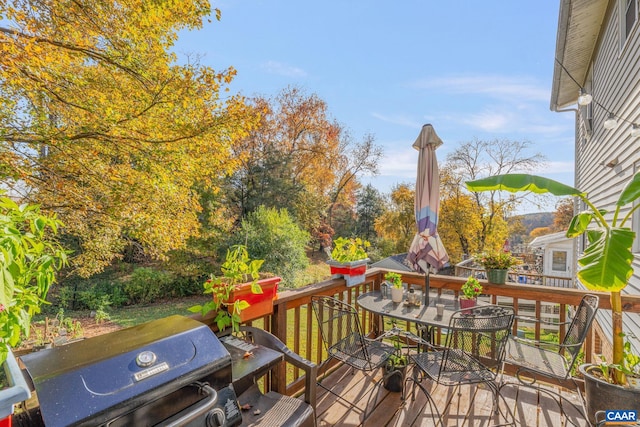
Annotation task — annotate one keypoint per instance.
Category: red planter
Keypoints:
(467, 303)
(353, 272)
(260, 305)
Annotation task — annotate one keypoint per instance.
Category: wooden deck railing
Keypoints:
(294, 323)
(520, 277)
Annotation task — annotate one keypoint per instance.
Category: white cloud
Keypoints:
(556, 167)
(275, 67)
(496, 86)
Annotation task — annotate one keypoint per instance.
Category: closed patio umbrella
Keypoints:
(427, 249)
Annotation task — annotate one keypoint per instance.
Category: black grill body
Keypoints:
(158, 373)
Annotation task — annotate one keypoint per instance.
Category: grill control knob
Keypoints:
(146, 358)
(215, 418)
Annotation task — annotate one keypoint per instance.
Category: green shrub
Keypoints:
(146, 285)
(272, 235)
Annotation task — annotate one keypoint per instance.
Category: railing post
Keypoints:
(279, 329)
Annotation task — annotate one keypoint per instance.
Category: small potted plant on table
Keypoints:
(349, 258)
(395, 282)
(497, 265)
(241, 293)
(471, 289)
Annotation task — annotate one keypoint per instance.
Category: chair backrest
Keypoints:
(340, 328)
(579, 327)
(481, 333)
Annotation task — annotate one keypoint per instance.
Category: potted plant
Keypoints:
(471, 289)
(497, 265)
(605, 265)
(396, 366)
(349, 258)
(29, 259)
(241, 293)
(394, 280)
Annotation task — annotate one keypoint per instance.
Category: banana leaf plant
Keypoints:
(605, 264)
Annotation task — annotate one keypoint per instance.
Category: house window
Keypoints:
(628, 18)
(559, 261)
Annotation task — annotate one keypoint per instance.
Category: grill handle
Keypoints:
(195, 411)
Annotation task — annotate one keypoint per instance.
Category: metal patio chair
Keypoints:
(539, 359)
(473, 353)
(344, 341)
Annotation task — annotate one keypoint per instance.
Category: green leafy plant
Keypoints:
(471, 288)
(397, 359)
(605, 264)
(630, 366)
(349, 250)
(29, 259)
(237, 268)
(497, 260)
(395, 279)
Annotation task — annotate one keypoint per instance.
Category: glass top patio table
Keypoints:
(423, 314)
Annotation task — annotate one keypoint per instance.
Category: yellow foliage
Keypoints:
(398, 222)
(100, 125)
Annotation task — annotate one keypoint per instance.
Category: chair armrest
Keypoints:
(266, 339)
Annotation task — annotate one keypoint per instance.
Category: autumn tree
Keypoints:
(477, 159)
(99, 123)
(563, 215)
(540, 231)
(301, 159)
(459, 219)
(398, 222)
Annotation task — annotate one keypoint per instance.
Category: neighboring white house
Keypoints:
(557, 254)
(598, 50)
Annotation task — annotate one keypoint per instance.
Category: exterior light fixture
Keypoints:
(635, 131)
(584, 98)
(611, 122)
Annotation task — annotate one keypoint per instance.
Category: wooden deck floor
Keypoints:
(528, 408)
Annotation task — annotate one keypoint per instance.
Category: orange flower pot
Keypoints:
(260, 305)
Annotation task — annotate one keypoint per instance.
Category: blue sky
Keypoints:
(473, 69)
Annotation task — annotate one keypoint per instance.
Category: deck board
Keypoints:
(529, 407)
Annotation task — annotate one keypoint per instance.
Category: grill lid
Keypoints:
(83, 380)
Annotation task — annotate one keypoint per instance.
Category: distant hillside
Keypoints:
(535, 220)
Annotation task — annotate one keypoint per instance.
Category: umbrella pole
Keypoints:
(426, 286)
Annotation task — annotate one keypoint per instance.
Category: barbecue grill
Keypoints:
(168, 372)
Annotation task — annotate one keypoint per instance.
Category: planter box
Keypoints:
(353, 272)
(260, 305)
(16, 392)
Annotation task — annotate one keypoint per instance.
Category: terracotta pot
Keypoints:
(260, 305)
(602, 396)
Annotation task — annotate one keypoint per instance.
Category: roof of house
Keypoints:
(542, 241)
(394, 262)
(578, 30)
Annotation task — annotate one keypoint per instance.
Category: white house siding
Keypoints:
(614, 79)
